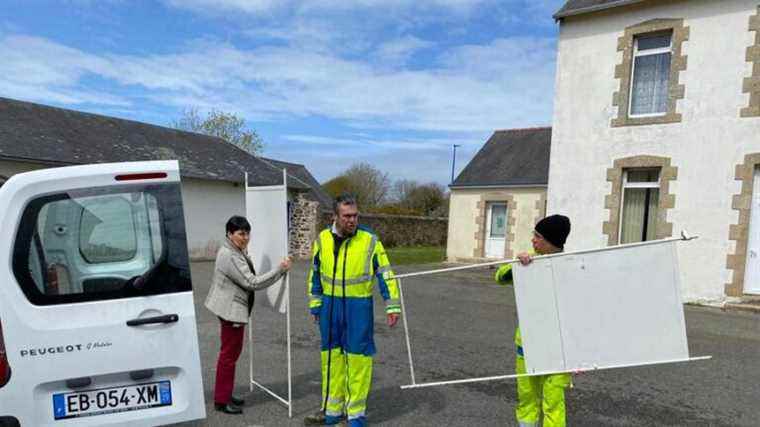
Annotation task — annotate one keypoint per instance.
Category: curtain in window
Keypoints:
(651, 74)
(633, 215)
(636, 211)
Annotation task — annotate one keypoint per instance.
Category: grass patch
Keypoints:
(416, 255)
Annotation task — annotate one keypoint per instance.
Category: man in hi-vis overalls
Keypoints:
(346, 259)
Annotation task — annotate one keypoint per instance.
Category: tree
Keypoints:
(368, 184)
(402, 188)
(227, 126)
(337, 186)
(426, 199)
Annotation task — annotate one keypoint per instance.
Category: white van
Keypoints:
(97, 323)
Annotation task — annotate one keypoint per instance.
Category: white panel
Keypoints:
(267, 211)
(535, 297)
(615, 307)
(623, 307)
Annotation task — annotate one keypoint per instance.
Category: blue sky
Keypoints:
(326, 83)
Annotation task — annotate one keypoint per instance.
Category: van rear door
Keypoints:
(96, 297)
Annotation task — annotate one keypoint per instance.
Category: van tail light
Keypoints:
(51, 284)
(141, 176)
(5, 369)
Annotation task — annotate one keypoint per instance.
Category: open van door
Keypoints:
(96, 303)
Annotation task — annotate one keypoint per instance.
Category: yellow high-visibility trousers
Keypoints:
(540, 395)
(350, 378)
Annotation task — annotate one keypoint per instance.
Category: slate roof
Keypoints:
(513, 157)
(578, 7)
(302, 175)
(58, 137)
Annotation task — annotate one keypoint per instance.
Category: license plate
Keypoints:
(109, 400)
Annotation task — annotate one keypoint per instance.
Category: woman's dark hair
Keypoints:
(237, 222)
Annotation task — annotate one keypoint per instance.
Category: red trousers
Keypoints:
(232, 345)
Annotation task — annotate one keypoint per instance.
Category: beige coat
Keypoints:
(233, 280)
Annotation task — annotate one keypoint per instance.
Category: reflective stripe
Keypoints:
(330, 413)
(315, 301)
(527, 424)
(393, 309)
(356, 291)
(370, 252)
(349, 282)
(360, 414)
(386, 272)
(392, 301)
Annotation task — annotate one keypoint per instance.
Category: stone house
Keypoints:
(499, 196)
(656, 129)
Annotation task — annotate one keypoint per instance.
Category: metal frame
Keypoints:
(684, 237)
(289, 401)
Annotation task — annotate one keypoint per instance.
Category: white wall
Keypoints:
(705, 147)
(208, 205)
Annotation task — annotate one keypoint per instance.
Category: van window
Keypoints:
(107, 229)
(105, 243)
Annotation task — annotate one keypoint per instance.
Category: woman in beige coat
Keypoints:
(231, 300)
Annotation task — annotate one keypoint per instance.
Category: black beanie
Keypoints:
(554, 229)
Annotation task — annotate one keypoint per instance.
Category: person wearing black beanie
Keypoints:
(540, 397)
(554, 229)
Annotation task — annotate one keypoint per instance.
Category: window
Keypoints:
(640, 201)
(498, 221)
(648, 75)
(651, 74)
(107, 229)
(102, 243)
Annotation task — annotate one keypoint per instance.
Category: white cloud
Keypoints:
(472, 88)
(213, 7)
(426, 144)
(398, 51)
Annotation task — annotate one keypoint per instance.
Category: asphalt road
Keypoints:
(461, 326)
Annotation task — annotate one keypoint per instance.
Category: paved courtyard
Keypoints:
(461, 326)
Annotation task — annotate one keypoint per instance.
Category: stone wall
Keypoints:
(402, 230)
(303, 226)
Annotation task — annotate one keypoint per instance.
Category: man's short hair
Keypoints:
(343, 199)
(237, 222)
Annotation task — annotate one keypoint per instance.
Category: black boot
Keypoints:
(237, 401)
(228, 408)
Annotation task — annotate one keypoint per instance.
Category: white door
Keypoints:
(96, 299)
(496, 229)
(752, 269)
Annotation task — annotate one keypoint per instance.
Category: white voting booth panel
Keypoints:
(267, 211)
(595, 309)
(600, 309)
